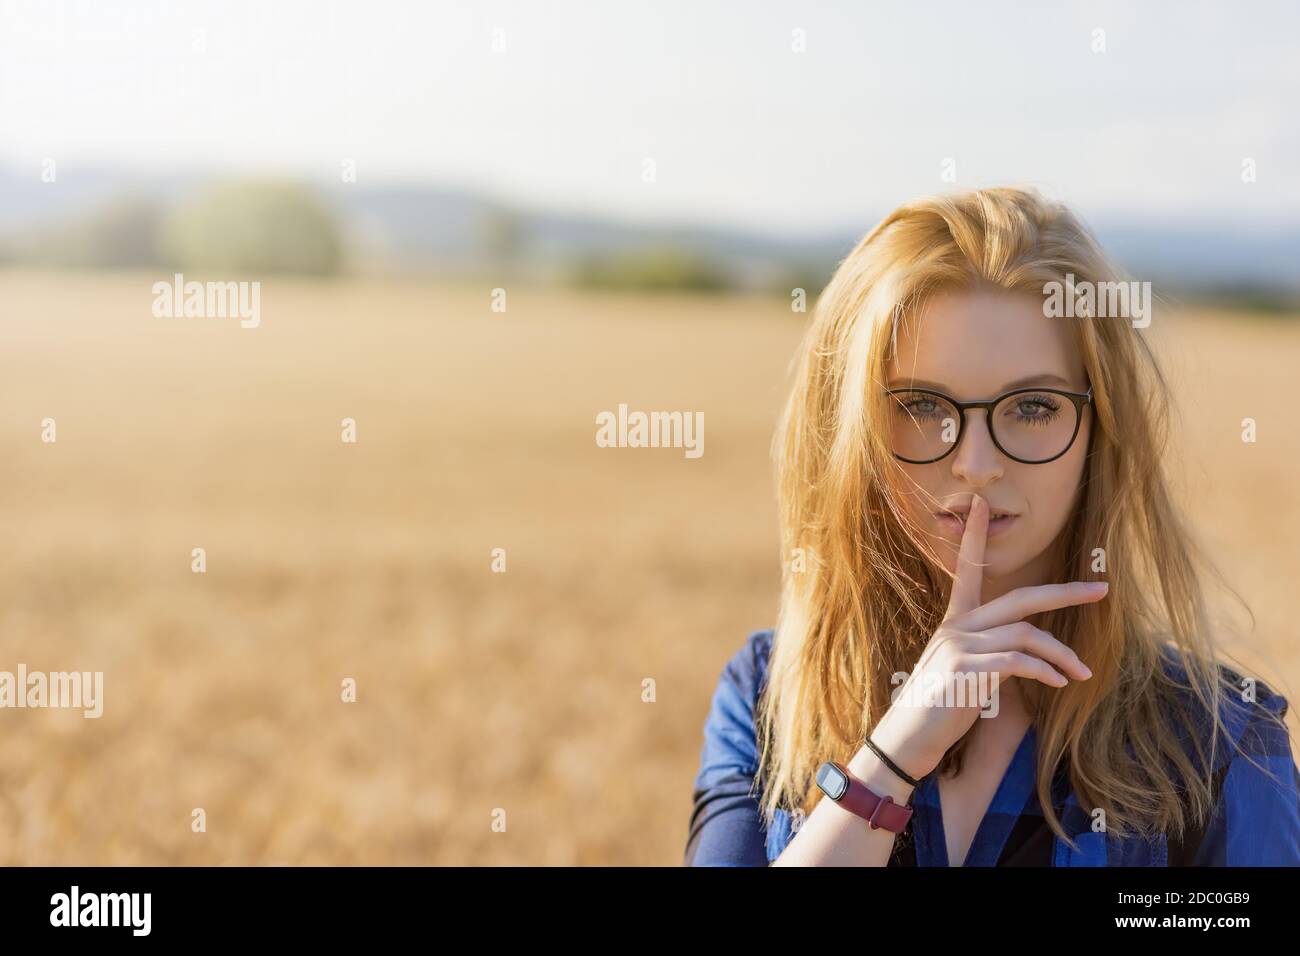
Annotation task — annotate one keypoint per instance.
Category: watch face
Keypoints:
(832, 781)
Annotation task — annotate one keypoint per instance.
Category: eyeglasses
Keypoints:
(1029, 425)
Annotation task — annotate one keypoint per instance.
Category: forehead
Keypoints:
(976, 343)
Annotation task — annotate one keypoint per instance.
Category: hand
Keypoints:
(993, 639)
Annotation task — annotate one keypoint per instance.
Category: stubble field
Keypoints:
(476, 691)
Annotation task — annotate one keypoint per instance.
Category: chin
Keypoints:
(998, 564)
(995, 570)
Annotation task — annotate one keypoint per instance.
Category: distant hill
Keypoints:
(428, 227)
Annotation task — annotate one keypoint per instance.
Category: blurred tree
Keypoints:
(122, 234)
(657, 268)
(254, 226)
(811, 277)
(501, 236)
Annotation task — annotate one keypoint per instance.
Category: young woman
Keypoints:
(992, 646)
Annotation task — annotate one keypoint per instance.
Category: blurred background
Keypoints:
(649, 184)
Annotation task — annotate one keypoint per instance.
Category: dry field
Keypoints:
(327, 560)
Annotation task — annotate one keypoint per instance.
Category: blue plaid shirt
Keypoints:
(1256, 821)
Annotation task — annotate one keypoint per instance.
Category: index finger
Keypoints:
(968, 582)
(1035, 599)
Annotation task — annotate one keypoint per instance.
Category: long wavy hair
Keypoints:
(861, 597)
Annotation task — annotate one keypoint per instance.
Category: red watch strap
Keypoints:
(880, 811)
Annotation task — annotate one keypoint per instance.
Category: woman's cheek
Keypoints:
(1047, 514)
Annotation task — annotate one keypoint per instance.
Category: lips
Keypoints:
(953, 522)
(958, 506)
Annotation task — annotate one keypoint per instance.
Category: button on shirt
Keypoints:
(1256, 821)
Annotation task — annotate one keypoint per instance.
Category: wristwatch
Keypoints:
(852, 794)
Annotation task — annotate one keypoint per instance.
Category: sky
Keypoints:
(569, 106)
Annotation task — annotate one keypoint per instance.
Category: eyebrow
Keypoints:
(1027, 382)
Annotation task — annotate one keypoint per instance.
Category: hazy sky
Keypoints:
(741, 128)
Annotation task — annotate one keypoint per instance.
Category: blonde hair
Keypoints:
(866, 600)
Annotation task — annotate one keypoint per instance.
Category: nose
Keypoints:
(976, 460)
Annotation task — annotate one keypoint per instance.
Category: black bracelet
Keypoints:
(890, 764)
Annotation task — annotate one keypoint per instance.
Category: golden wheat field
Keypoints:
(476, 691)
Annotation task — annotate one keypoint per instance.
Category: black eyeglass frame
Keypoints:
(1080, 400)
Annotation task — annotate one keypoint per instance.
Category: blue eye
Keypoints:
(1035, 409)
(915, 407)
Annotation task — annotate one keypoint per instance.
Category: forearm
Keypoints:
(834, 836)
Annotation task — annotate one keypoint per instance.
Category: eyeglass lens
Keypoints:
(1030, 426)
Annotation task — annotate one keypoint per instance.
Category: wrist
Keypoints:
(902, 751)
(881, 809)
(873, 772)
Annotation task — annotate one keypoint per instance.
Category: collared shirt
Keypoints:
(1256, 821)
